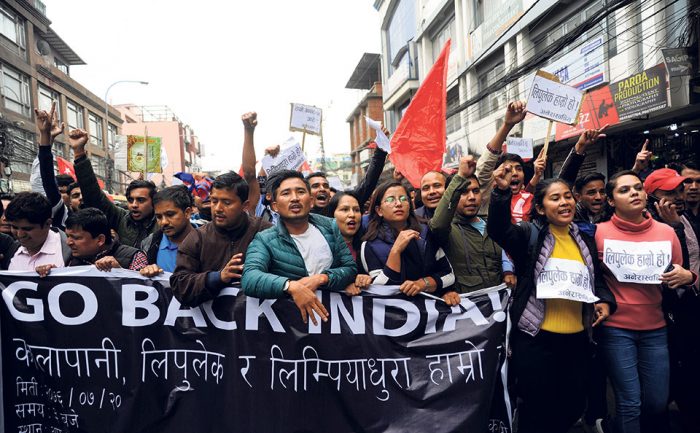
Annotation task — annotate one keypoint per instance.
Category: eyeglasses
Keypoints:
(392, 199)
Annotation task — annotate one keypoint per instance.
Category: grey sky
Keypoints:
(211, 61)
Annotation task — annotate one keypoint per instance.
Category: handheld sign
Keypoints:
(382, 140)
(520, 146)
(306, 119)
(290, 158)
(552, 100)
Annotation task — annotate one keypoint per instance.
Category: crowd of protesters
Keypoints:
(289, 235)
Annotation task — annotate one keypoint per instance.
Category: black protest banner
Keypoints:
(84, 351)
(641, 93)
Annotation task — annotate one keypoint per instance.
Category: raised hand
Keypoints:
(643, 158)
(250, 121)
(503, 175)
(667, 211)
(273, 151)
(588, 137)
(48, 125)
(77, 138)
(515, 113)
(467, 166)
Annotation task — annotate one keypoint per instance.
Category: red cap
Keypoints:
(665, 179)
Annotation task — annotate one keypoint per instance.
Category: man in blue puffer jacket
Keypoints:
(302, 253)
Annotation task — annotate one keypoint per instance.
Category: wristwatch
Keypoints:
(285, 289)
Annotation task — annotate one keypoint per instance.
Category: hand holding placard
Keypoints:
(382, 140)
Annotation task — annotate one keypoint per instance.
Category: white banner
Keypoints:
(553, 100)
(291, 158)
(520, 146)
(305, 118)
(637, 262)
(565, 279)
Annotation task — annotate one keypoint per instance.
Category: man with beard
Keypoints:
(75, 197)
(211, 257)
(133, 225)
(476, 259)
(665, 188)
(173, 209)
(691, 172)
(301, 254)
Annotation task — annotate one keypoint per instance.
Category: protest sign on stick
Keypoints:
(305, 119)
(290, 158)
(554, 101)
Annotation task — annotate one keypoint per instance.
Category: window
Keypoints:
(75, 114)
(99, 165)
(46, 97)
(447, 32)
(95, 130)
(60, 65)
(15, 91)
(59, 150)
(495, 100)
(453, 122)
(402, 29)
(571, 23)
(478, 7)
(111, 136)
(12, 31)
(23, 149)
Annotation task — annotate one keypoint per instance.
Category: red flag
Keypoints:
(65, 167)
(418, 144)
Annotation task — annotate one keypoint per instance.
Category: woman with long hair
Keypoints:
(640, 258)
(398, 250)
(559, 296)
(345, 208)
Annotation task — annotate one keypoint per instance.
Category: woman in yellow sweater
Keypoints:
(558, 298)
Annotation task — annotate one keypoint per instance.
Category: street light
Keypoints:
(145, 83)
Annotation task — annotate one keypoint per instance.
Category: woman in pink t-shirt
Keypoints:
(640, 257)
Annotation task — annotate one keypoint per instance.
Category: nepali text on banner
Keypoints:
(85, 351)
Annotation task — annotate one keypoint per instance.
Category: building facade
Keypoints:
(614, 49)
(35, 71)
(366, 77)
(180, 147)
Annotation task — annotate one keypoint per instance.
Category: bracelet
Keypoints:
(427, 283)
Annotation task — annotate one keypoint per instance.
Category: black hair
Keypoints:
(232, 181)
(32, 206)
(274, 182)
(178, 194)
(608, 210)
(442, 173)
(691, 165)
(586, 179)
(538, 197)
(333, 190)
(64, 180)
(92, 220)
(329, 210)
(73, 186)
(135, 184)
(510, 157)
(375, 226)
(317, 174)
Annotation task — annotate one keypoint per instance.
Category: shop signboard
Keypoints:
(641, 93)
